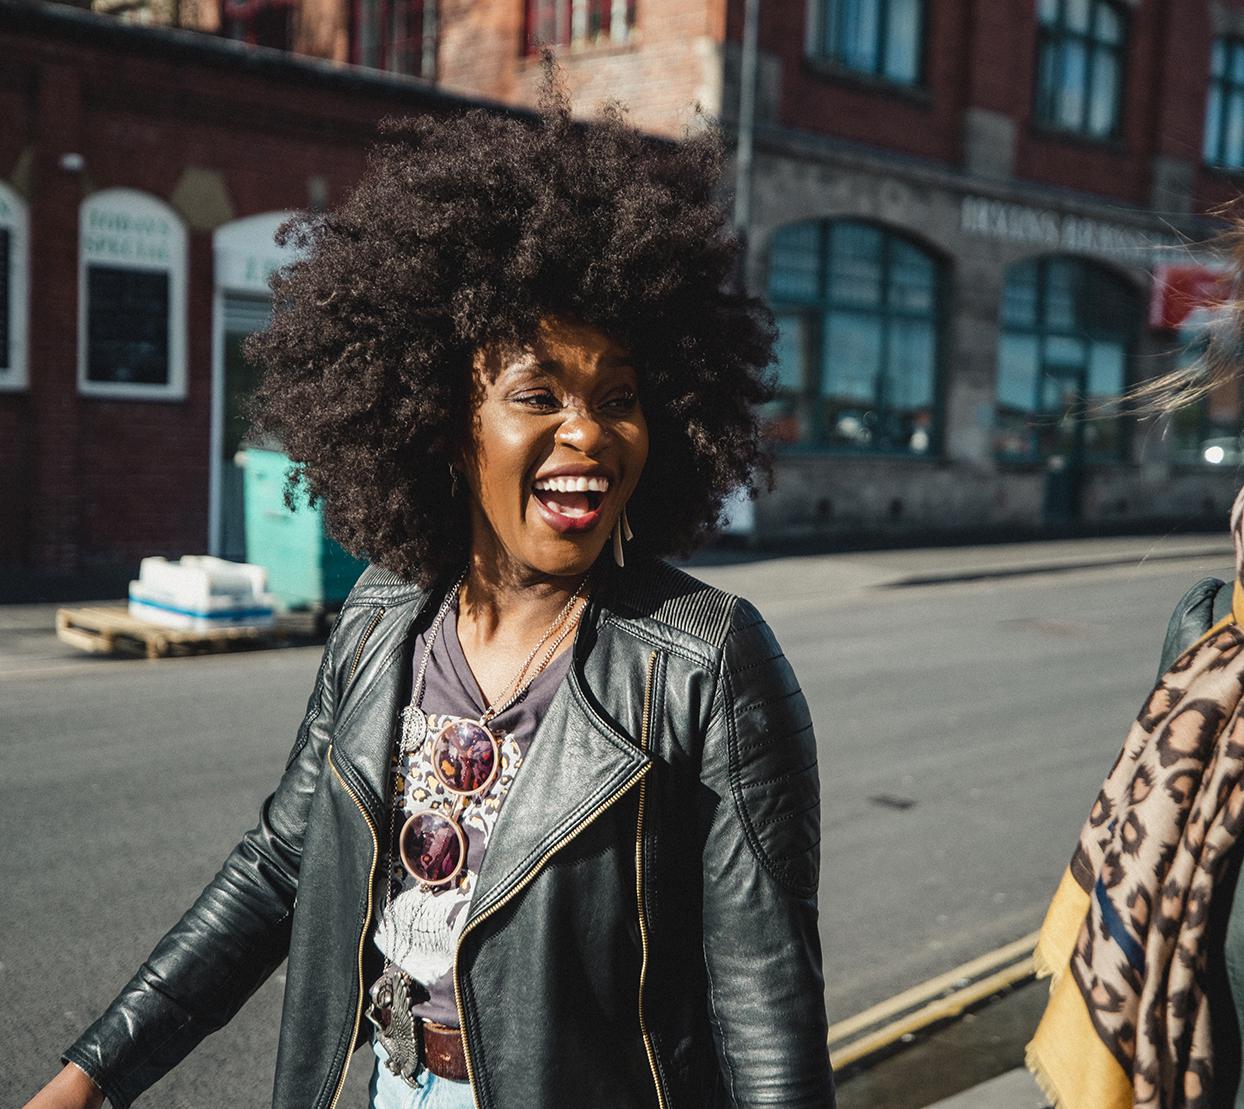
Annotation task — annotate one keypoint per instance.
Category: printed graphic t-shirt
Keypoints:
(420, 930)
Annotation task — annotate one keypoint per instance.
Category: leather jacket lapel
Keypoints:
(575, 767)
(368, 718)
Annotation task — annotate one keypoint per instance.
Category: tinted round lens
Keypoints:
(432, 847)
(464, 757)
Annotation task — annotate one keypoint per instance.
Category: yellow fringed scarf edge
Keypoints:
(1066, 1057)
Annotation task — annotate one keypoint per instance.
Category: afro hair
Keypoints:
(465, 230)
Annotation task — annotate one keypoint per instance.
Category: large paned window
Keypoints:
(14, 255)
(132, 290)
(1067, 333)
(858, 310)
(1209, 430)
(1224, 113)
(398, 36)
(578, 22)
(1081, 49)
(875, 38)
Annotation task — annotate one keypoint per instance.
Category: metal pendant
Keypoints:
(414, 728)
(389, 1010)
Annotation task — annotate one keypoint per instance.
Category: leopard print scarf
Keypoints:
(1167, 817)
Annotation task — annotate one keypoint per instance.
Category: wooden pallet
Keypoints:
(108, 630)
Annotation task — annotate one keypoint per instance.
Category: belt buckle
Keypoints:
(399, 1031)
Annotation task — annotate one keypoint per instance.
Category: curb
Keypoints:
(988, 573)
(885, 1027)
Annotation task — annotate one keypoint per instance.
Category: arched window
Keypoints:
(14, 282)
(132, 297)
(1224, 112)
(1067, 331)
(858, 312)
(1081, 48)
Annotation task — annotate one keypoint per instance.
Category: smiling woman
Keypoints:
(549, 832)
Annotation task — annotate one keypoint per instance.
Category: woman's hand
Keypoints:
(71, 1089)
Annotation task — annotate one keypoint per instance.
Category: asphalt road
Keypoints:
(963, 728)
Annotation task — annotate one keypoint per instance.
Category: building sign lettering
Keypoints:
(113, 235)
(1018, 223)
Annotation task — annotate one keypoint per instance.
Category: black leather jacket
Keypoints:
(644, 927)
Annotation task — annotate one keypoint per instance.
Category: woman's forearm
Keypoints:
(72, 1088)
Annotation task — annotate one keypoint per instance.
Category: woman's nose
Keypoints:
(581, 430)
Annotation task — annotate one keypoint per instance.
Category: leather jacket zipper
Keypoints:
(371, 885)
(358, 651)
(522, 885)
(644, 733)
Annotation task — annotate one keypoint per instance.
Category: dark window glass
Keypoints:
(127, 325)
(578, 22)
(398, 36)
(1067, 330)
(6, 304)
(878, 38)
(1224, 112)
(1081, 47)
(857, 311)
(260, 22)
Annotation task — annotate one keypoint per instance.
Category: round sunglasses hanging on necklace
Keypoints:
(465, 755)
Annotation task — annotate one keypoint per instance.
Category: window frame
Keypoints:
(1057, 36)
(383, 12)
(177, 269)
(573, 19)
(823, 12)
(1224, 85)
(1043, 333)
(15, 219)
(814, 316)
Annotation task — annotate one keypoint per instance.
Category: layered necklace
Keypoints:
(465, 756)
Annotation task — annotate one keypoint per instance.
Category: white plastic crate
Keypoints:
(200, 592)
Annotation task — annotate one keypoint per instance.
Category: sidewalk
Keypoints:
(849, 573)
(27, 635)
(1013, 1090)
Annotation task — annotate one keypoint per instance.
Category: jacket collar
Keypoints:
(577, 763)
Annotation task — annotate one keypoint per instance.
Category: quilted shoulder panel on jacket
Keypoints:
(772, 750)
(655, 590)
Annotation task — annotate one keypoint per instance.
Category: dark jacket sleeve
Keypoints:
(1197, 611)
(761, 869)
(227, 944)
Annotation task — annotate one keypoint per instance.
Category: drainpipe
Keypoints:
(746, 130)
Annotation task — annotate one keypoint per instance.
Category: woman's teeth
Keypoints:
(574, 497)
(572, 484)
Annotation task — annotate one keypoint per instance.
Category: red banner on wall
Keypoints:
(1181, 289)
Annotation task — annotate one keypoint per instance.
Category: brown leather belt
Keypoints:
(443, 1053)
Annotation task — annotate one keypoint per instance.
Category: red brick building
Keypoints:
(973, 218)
(967, 215)
(142, 175)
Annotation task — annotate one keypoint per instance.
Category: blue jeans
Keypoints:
(390, 1092)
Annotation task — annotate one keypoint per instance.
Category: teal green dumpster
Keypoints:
(306, 569)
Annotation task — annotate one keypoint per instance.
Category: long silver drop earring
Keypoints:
(453, 481)
(621, 530)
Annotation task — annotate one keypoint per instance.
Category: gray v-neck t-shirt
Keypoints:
(420, 929)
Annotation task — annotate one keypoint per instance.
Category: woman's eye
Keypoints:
(538, 400)
(622, 402)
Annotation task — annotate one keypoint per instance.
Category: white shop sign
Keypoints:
(247, 254)
(1005, 221)
(128, 230)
